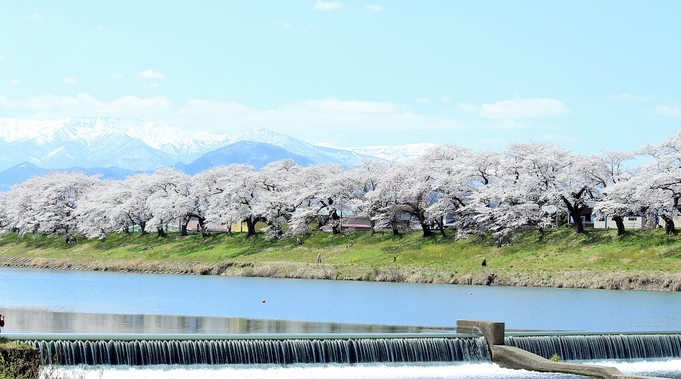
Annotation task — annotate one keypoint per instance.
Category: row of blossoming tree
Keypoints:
(481, 191)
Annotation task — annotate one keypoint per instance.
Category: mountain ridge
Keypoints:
(105, 145)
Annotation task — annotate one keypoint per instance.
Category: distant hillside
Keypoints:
(253, 153)
(24, 171)
(18, 174)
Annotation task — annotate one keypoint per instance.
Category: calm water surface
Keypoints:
(133, 303)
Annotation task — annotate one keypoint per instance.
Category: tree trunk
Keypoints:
(395, 225)
(373, 226)
(619, 221)
(250, 224)
(204, 228)
(427, 231)
(160, 232)
(575, 210)
(335, 222)
(143, 226)
(425, 226)
(577, 219)
(669, 224)
(441, 225)
(183, 226)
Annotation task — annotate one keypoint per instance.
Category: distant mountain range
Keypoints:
(256, 154)
(115, 148)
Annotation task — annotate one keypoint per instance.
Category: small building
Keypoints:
(630, 222)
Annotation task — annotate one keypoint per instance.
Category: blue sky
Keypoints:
(584, 75)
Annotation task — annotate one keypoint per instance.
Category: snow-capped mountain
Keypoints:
(100, 142)
(138, 145)
(394, 153)
(318, 154)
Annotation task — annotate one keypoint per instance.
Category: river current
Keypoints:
(53, 301)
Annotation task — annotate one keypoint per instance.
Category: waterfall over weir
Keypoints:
(331, 349)
(607, 346)
(260, 351)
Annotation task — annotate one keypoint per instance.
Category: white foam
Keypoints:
(329, 371)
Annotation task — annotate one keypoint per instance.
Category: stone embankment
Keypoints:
(625, 280)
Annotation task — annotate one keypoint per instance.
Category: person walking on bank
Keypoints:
(319, 258)
(2, 321)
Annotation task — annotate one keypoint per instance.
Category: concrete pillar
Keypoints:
(494, 332)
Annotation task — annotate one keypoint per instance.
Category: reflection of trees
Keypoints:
(27, 320)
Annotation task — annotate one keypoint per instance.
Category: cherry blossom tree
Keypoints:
(133, 197)
(520, 191)
(99, 212)
(168, 199)
(366, 179)
(276, 196)
(616, 193)
(322, 192)
(47, 204)
(454, 172)
(405, 192)
(663, 177)
(235, 196)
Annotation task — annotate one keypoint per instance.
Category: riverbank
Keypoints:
(599, 259)
(18, 360)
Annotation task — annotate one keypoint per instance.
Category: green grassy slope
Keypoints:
(559, 257)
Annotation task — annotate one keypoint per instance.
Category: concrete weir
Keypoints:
(519, 359)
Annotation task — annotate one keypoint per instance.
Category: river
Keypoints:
(54, 301)
(194, 299)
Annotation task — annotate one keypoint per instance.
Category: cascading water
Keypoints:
(607, 346)
(260, 351)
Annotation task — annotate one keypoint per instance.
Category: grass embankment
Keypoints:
(18, 361)
(641, 259)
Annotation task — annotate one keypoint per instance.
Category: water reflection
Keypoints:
(32, 320)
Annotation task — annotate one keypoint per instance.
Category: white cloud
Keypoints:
(630, 97)
(70, 81)
(14, 81)
(35, 17)
(328, 5)
(118, 76)
(283, 25)
(423, 100)
(372, 7)
(668, 111)
(150, 74)
(445, 99)
(349, 106)
(468, 107)
(2, 57)
(505, 125)
(534, 107)
(327, 119)
(553, 138)
(53, 107)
